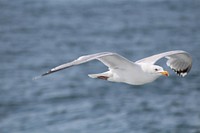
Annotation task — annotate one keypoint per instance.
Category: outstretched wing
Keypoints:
(111, 60)
(179, 61)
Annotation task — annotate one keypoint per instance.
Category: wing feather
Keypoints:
(111, 60)
(179, 61)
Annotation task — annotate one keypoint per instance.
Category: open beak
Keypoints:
(165, 73)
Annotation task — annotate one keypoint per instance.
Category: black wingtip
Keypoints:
(44, 74)
(48, 72)
(51, 71)
(38, 77)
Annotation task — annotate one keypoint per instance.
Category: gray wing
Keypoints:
(179, 61)
(111, 60)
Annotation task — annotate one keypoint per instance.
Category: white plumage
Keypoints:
(135, 73)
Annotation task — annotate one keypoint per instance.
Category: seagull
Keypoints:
(140, 72)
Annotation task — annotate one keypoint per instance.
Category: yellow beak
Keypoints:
(165, 73)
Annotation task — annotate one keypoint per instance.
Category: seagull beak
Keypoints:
(165, 73)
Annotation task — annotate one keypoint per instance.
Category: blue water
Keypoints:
(36, 35)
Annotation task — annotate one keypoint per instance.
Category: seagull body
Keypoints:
(140, 72)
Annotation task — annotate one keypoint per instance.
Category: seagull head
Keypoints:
(154, 70)
(158, 70)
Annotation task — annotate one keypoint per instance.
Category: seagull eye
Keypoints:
(156, 69)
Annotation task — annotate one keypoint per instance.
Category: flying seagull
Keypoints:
(140, 72)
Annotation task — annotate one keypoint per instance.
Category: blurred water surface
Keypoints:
(36, 35)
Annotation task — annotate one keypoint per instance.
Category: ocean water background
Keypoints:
(36, 35)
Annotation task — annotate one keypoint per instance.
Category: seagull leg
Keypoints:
(103, 77)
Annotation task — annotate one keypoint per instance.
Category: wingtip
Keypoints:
(48, 72)
(40, 76)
